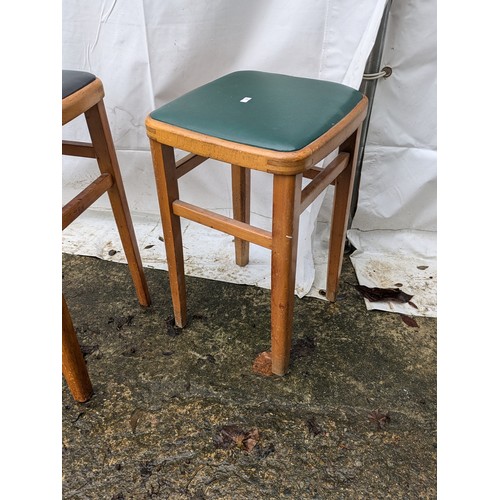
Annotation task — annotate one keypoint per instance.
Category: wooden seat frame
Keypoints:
(89, 101)
(289, 201)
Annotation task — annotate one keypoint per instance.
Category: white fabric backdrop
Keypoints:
(394, 229)
(148, 53)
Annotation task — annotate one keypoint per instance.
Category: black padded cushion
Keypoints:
(75, 80)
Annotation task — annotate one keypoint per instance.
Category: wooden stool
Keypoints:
(83, 93)
(278, 124)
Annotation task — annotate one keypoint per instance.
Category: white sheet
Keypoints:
(397, 215)
(148, 53)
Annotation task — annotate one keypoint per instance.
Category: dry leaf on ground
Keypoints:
(375, 294)
(379, 418)
(408, 320)
(232, 435)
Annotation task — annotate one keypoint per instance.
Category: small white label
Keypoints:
(246, 99)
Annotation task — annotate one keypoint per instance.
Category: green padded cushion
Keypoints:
(75, 80)
(285, 113)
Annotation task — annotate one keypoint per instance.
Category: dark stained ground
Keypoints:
(179, 414)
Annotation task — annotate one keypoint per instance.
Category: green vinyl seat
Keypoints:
(266, 110)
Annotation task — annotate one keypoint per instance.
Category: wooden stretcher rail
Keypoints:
(322, 179)
(75, 148)
(82, 201)
(312, 172)
(221, 223)
(186, 164)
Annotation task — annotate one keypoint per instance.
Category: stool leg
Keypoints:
(102, 141)
(73, 365)
(340, 216)
(240, 178)
(168, 192)
(286, 212)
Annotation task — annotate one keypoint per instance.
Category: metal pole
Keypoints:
(368, 88)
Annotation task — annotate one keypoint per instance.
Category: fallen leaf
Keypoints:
(161, 238)
(230, 435)
(112, 252)
(379, 418)
(409, 320)
(313, 427)
(147, 247)
(233, 436)
(88, 349)
(398, 284)
(251, 439)
(375, 294)
(121, 321)
(422, 268)
(134, 418)
(262, 364)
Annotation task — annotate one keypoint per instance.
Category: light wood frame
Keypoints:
(289, 201)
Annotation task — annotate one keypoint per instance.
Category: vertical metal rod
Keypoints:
(368, 88)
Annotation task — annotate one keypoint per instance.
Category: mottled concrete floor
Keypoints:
(155, 425)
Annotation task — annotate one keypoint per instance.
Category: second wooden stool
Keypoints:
(82, 94)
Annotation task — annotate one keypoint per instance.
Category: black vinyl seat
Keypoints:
(75, 80)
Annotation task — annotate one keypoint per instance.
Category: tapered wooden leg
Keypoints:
(73, 365)
(241, 209)
(102, 141)
(340, 216)
(286, 211)
(168, 192)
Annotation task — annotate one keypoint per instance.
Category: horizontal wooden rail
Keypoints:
(312, 172)
(75, 148)
(186, 164)
(221, 223)
(322, 179)
(82, 201)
